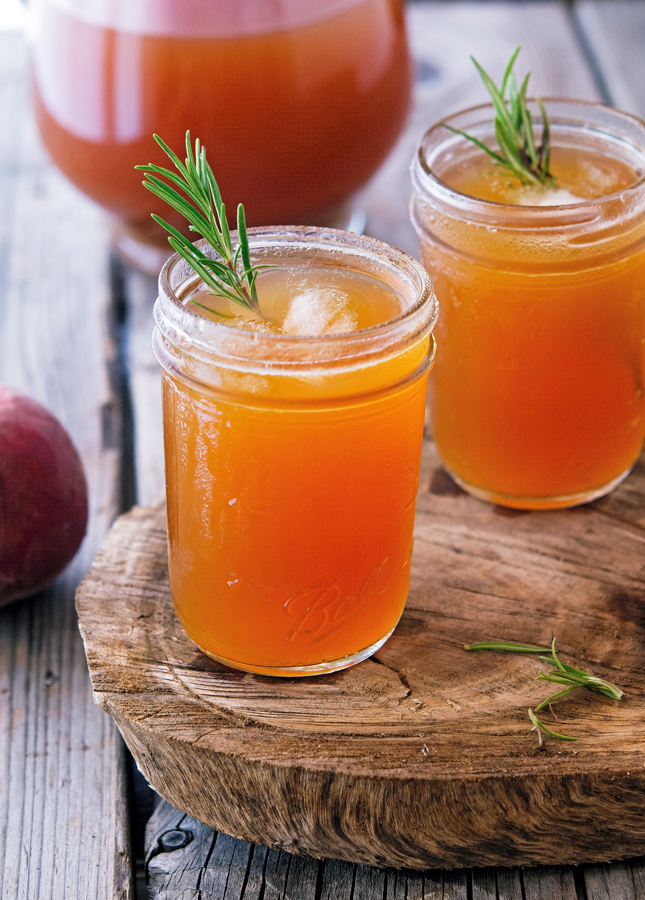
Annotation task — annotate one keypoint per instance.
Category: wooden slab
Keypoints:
(421, 756)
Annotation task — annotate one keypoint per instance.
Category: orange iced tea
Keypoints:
(537, 396)
(297, 103)
(292, 450)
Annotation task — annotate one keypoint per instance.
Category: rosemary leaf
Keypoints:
(519, 154)
(507, 646)
(509, 69)
(539, 726)
(545, 148)
(565, 674)
(244, 251)
(525, 121)
(195, 194)
(554, 698)
(496, 156)
(217, 286)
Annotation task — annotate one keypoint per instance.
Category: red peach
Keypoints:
(43, 497)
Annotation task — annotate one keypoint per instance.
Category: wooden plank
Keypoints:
(302, 879)
(337, 880)
(404, 885)
(620, 881)
(614, 31)
(369, 883)
(509, 885)
(445, 886)
(63, 810)
(211, 864)
(140, 291)
(497, 884)
(276, 871)
(176, 874)
(549, 881)
(255, 879)
(225, 874)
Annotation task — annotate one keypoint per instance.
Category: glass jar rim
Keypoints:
(205, 337)
(562, 115)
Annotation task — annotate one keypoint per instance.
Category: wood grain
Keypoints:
(63, 815)
(239, 873)
(144, 375)
(236, 870)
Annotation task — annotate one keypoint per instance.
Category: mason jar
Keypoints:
(537, 396)
(292, 463)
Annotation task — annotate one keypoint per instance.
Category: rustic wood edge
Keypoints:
(438, 822)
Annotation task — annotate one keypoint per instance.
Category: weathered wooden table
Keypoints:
(75, 333)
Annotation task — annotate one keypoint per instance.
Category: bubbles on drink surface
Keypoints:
(306, 300)
(579, 175)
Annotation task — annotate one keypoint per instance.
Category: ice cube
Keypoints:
(545, 196)
(320, 311)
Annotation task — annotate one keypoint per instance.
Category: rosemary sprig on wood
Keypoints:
(508, 646)
(519, 153)
(574, 679)
(560, 673)
(200, 202)
(540, 727)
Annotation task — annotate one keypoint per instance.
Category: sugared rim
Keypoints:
(425, 180)
(179, 323)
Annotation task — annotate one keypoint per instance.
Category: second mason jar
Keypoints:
(537, 397)
(292, 461)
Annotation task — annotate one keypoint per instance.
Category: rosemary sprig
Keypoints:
(560, 673)
(540, 727)
(518, 152)
(200, 202)
(574, 679)
(508, 646)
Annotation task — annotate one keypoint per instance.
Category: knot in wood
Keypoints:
(174, 839)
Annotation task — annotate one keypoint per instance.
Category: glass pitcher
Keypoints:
(298, 102)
